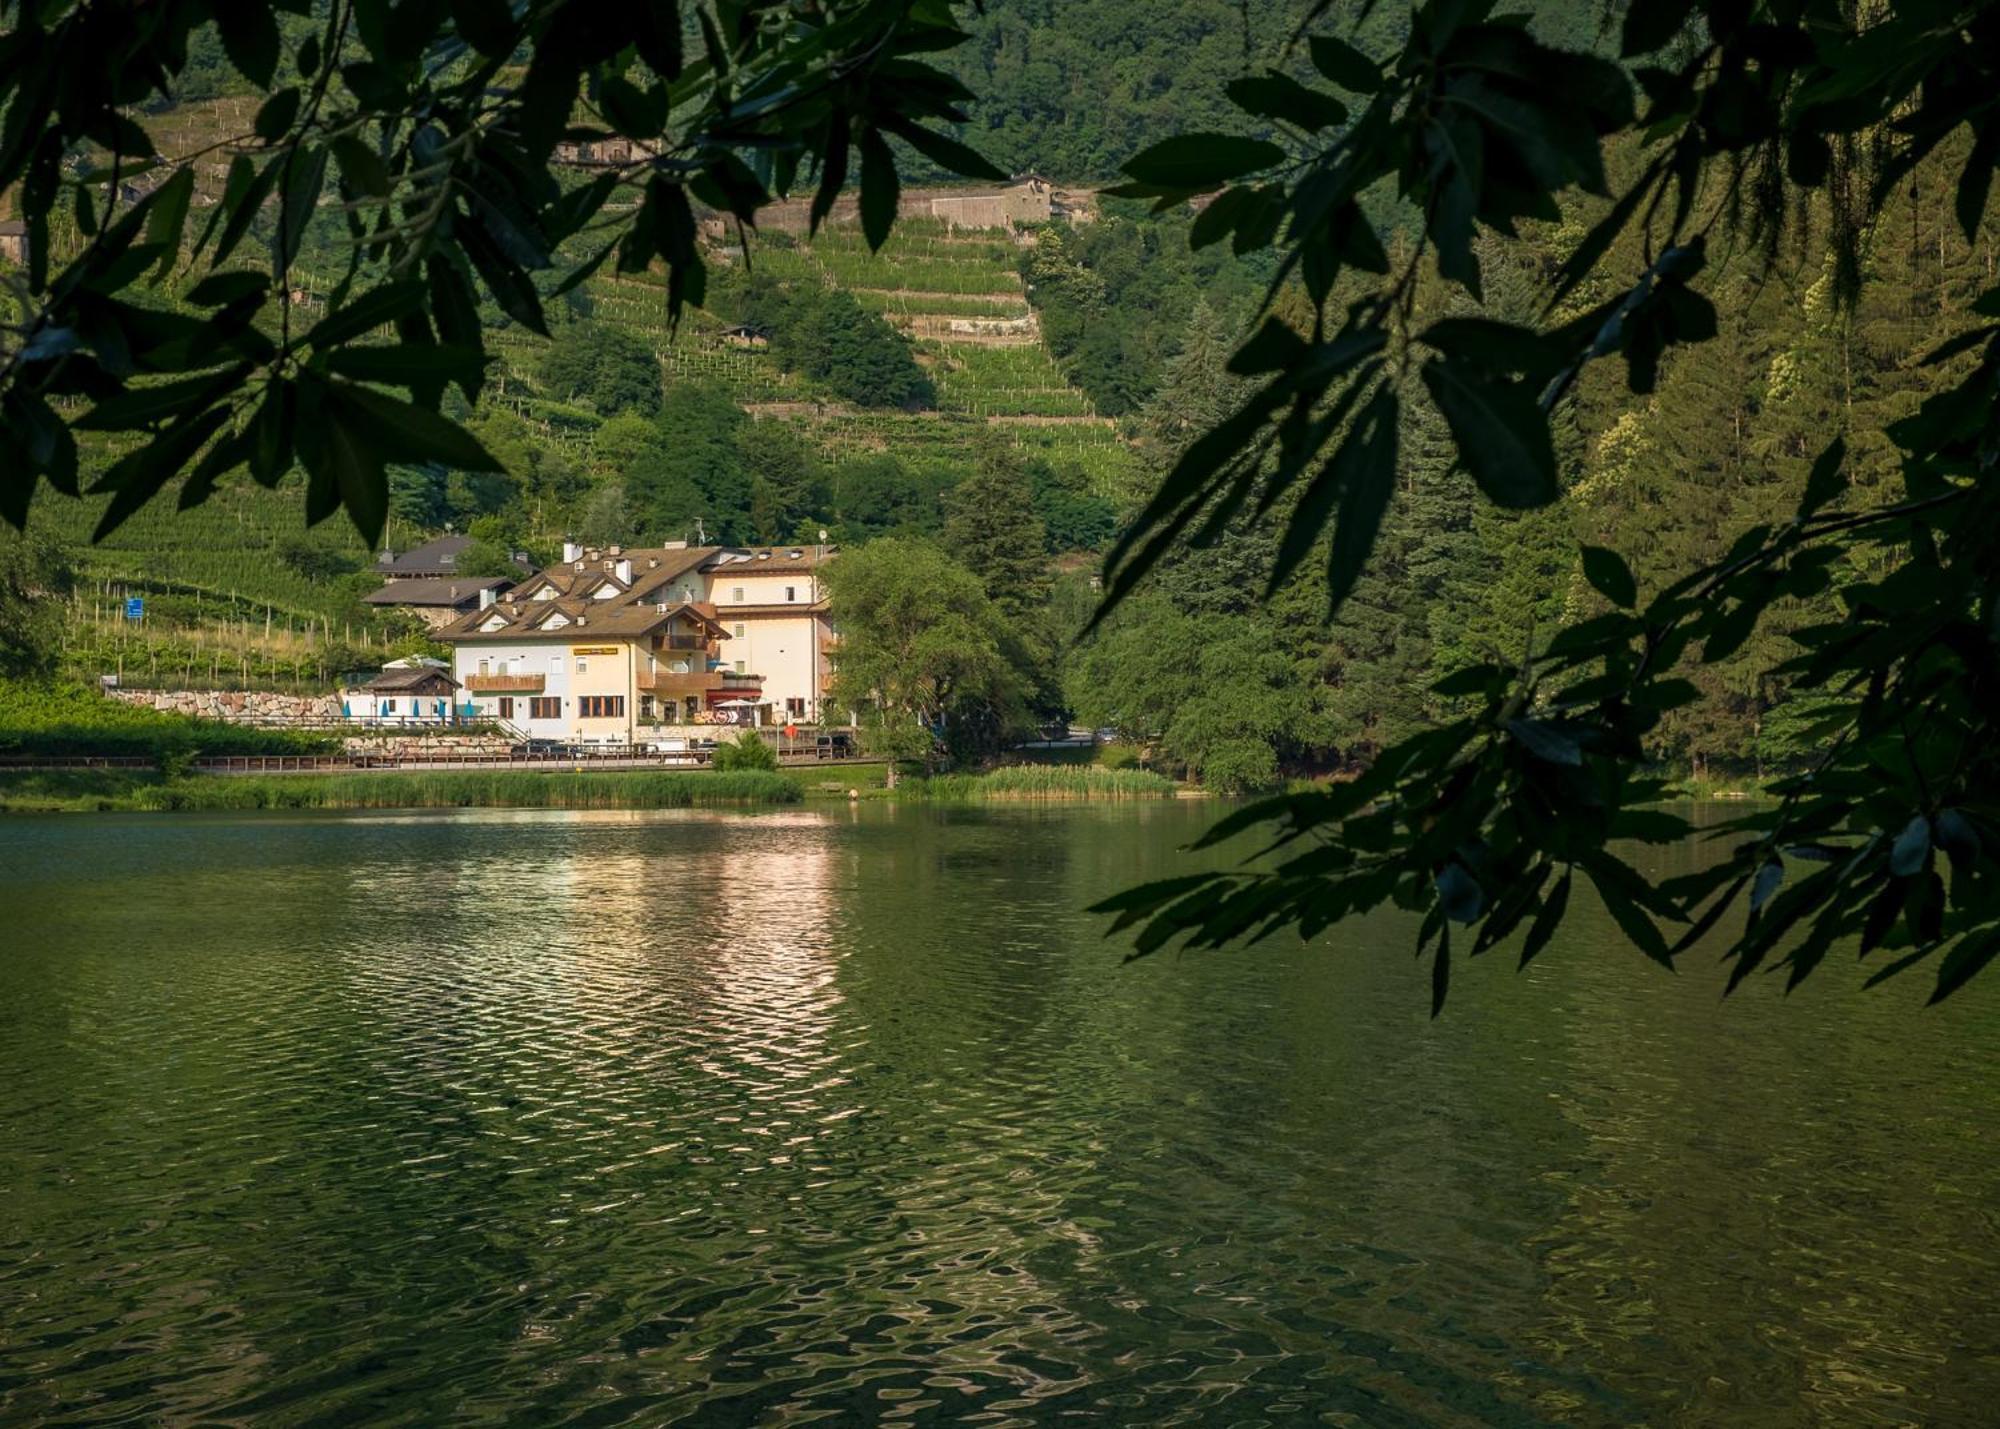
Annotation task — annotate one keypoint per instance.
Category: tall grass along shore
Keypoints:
(502, 788)
(1039, 781)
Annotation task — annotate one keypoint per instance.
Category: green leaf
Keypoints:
(274, 119)
(1547, 742)
(402, 431)
(1440, 972)
(245, 208)
(1280, 97)
(361, 166)
(346, 464)
(944, 151)
(1912, 849)
(303, 182)
(1963, 963)
(167, 219)
(1196, 162)
(1610, 576)
(1501, 433)
(1365, 468)
(1629, 917)
(1770, 878)
(832, 171)
(221, 289)
(881, 188)
(376, 308)
(409, 364)
(143, 406)
(250, 38)
(1547, 921)
(1827, 480)
(509, 283)
(1459, 894)
(1345, 65)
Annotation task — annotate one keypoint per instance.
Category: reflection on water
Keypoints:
(851, 1116)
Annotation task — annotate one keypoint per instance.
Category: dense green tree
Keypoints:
(1074, 517)
(608, 366)
(36, 576)
(789, 494)
(695, 481)
(882, 495)
(992, 529)
(923, 649)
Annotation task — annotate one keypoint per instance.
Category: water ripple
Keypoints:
(850, 1117)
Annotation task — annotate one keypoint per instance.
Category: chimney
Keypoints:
(572, 551)
(486, 597)
(625, 571)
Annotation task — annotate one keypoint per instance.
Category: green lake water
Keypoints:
(851, 1117)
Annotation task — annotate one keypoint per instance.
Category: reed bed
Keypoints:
(1039, 781)
(503, 789)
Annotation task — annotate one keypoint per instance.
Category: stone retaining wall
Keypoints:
(238, 706)
(426, 746)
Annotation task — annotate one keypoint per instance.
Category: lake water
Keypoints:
(851, 1116)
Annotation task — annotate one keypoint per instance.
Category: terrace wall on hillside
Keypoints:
(238, 706)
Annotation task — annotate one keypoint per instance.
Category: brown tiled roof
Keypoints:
(772, 560)
(620, 619)
(434, 591)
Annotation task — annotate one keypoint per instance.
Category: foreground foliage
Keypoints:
(430, 131)
(1750, 115)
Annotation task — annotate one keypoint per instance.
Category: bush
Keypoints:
(749, 752)
(1117, 756)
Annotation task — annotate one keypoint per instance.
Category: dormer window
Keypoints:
(498, 622)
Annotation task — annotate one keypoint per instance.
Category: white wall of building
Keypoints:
(547, 658)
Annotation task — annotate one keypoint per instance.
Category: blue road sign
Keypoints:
(135, 607)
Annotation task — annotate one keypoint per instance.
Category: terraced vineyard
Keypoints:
(959, 297)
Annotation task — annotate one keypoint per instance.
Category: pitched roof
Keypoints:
(433, 558)
(435, 591)
(582, 619)
(770, 560)
(410, 677)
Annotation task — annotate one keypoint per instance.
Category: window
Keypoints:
(791, 592)
(739, 667)
(482, 667)
(582, 665)
(795, 706)
(645, 707)
(555, 663)
(506, 707)
(737, 594)
(388, 707)
(545, 707)
(738, 631)
(601, 706)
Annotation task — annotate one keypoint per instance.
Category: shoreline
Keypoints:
(152, 791)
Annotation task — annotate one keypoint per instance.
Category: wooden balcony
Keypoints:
(505, 684)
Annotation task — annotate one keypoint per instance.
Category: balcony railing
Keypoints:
(505, 684)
